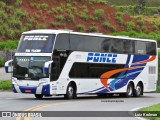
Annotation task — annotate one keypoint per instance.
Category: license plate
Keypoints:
(28, 91)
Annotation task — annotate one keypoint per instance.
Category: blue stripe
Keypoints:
(14, 89)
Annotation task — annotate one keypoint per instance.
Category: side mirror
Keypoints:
(8, 65)
(46, 67)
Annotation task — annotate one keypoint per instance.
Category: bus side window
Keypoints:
(150, 48)
(127, 45)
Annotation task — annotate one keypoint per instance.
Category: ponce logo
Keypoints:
(41, 38)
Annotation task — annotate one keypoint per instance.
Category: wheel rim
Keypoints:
(138, 90)
(129, 90)
(70, 91)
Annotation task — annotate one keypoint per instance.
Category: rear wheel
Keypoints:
(129, 92)
(71, 92)
(38, 96)
(138, 91)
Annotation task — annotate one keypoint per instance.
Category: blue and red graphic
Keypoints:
(125, 74)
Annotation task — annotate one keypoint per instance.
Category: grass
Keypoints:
(152, 3)
(6, 85)
(153, 109)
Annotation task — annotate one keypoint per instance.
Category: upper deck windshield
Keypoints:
(36, 43)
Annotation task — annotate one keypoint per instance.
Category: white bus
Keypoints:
(61, 62)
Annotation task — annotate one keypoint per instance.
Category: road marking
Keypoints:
(39, 107)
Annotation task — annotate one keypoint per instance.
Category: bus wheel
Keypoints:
(38, 96)
(71, 92)
(129, 92)
(138, 91)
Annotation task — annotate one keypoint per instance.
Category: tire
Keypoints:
(38, 96)
(129, 92)
(71, 92)
(138, 91)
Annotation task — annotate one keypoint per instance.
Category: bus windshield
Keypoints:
(38, 43)
(29, 67)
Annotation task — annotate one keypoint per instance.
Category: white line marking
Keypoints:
(136, 109)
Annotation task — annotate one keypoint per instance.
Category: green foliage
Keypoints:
(54, 24)
(59, 18)
(68, 1)
(39, 5)
(3, 15)
(15, 24)
(20, 13)
(2, 62)
(130, 10)
(41, 26)
(140, 22)
(150, 3)
(57, 10)
(93, 29)
(119, 18)
(144, 29)
(57, 24)
(99, 13)
(99, 1)
(155, 27)
(6, 85)
(140, 6)
(80, 28)
(8, 45)
(70, 18)
(83, 16)
(13, 20)
(18, 3)
(130, 25)
(109, 26)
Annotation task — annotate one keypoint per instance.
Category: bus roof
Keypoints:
(50, 31)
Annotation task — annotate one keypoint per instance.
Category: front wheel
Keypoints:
(71, 92)
(38, 96)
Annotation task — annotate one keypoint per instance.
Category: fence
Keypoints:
(6, 55)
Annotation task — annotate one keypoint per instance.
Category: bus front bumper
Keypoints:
(43, 89)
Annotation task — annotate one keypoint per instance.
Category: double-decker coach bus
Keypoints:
(60, 62)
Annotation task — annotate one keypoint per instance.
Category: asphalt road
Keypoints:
(25, 102)
(3, 75)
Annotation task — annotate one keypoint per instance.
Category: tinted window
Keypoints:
(39, 43)
(117, 46)
(92, 70)
(140, 47)
(101, 44)
(128, 46)
(85, 43)
(62, 42)
(151, 48)
(104, 44)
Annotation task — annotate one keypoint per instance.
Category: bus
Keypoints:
(63, 62)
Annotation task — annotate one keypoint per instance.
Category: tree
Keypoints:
(140, 6)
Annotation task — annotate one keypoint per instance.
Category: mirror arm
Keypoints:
(7, 65)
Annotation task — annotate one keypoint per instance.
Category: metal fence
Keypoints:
(6, 55)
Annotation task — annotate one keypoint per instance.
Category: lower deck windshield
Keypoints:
(29, 67)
